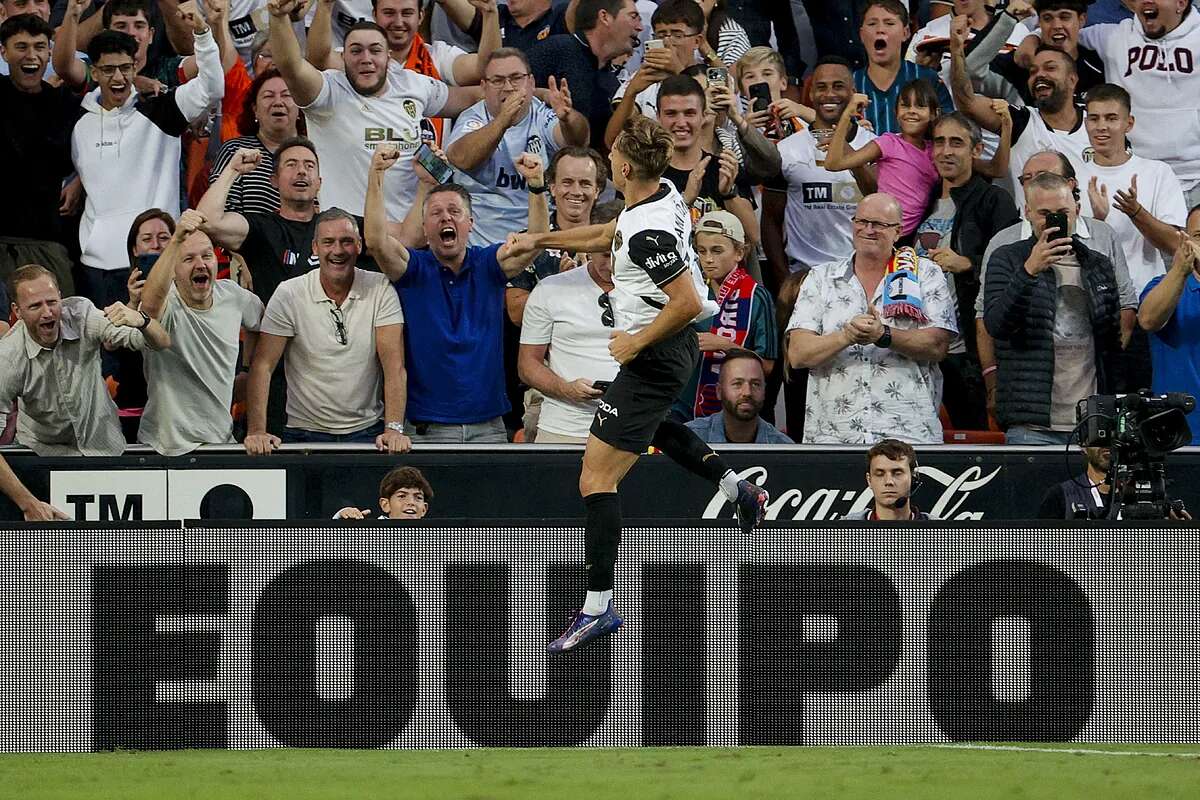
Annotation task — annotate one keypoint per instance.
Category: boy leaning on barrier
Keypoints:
(403, 494)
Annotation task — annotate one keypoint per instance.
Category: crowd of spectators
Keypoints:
(983, 216)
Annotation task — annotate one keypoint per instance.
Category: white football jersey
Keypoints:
(651, 247)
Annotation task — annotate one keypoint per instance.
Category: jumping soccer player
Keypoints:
(657, 291)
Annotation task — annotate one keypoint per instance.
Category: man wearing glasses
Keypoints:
(1096, 235)
(873, 360)
(338, 328)
(491, 136)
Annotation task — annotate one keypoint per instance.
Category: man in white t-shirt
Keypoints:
(400, 20)
(339, 329)
(492, 135)
(1154, 57)
(1139, 197)
(191, 384)
(569, 314)
(820, 203)
(351, 112)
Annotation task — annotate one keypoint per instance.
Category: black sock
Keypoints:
(601, 538)
(689, 451)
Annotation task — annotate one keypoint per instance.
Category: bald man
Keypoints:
(871, 328)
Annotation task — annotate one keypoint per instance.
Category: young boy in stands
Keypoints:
(403, 494)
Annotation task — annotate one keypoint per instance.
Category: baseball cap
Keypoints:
(721, 222)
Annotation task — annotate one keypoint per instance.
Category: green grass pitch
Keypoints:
(1127, 772)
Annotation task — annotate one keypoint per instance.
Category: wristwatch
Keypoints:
(538, 189)
(886, 339)
(398, 427)
(145, 320)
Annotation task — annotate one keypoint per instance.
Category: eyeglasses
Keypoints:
(873, 224)
(108, 70)
(677, 35)
(500, 80)
(606, 314)
(339, 325)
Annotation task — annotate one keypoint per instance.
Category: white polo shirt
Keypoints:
(332, 387)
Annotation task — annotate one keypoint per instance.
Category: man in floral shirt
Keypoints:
(871, 328)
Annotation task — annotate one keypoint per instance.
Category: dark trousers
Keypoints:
(964, 393)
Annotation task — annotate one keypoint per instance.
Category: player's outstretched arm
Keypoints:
(588, 239)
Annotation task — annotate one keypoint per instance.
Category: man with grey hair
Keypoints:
(871, 328)
(1051, 305)
(339, 331)
(453, 298)
(490, 137)
(965, 211)
(1097, 235)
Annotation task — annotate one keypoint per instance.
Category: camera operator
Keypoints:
(1090, 491)
(892, 477)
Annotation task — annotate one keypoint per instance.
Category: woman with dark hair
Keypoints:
(269, 117)
(149, 235)
(725, 41)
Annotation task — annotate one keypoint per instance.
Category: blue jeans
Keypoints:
(1022, 434)
(489, 431)
(301, 436)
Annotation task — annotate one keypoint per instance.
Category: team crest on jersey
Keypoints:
(617, 241)
(410, 108)
(543, 33)
(534, 145)
(473, 124)
(1089, 153)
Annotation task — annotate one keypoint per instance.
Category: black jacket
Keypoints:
(981, 210)
(1019, 314)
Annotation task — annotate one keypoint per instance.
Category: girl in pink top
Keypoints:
(905, 160)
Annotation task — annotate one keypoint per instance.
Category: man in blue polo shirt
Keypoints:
(1170, 312)
(453, 295)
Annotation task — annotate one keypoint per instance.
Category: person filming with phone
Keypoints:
(1052, 306)
(452, 295)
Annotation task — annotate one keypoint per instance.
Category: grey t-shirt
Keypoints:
(190, 385)
(1074, 345)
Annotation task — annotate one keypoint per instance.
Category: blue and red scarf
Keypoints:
(902, 288)
(735, 302)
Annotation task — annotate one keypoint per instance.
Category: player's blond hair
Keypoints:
(646, 145)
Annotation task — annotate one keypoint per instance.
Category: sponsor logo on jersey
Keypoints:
(661, 259)
(1152, 58)
(816, 192)
(507, 180)
(609, 408)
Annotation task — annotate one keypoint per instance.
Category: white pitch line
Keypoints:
(1067, 750)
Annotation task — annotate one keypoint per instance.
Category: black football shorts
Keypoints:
(644, 390)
